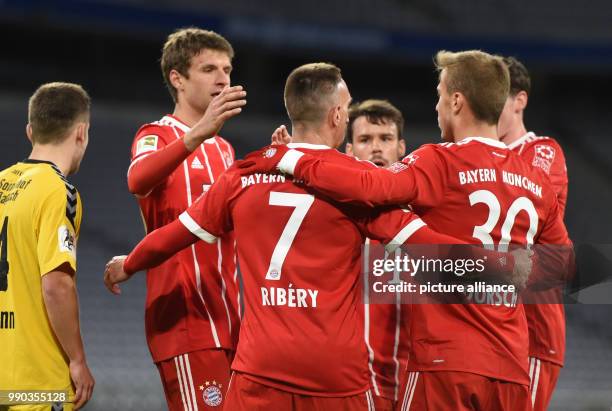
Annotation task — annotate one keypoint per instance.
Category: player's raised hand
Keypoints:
(523, 263)
(222, 107)
(281, 136)
(83, 383)
(114, 274)
(263, 160)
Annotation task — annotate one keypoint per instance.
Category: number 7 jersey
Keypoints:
(300, 256)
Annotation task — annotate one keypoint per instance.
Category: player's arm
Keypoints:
(419, 179)
(62, 305)
(148, 171)
(56, 251)
(399, 228)
(206, 219)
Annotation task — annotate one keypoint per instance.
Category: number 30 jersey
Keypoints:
(300, 257)
(481, 192)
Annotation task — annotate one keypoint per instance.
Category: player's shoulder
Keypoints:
(542, 141)
(161, 128)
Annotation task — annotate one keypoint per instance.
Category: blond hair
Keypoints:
(482, 78)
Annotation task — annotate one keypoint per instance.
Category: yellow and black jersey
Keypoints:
(40, 216)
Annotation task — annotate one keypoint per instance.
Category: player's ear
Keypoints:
(457, 102)
(29, 132)
(349, 149)
(520, 100)
(401, 151)
(81, 132)
(176, 79)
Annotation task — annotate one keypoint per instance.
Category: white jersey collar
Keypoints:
(521, 140)
(484, 140)
(308, 145)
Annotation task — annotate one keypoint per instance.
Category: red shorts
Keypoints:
(383, 404)
(543, 375)
(247, 395)
(463, 391)
(196, 380)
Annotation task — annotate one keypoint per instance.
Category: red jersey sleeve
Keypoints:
(209, 216)
(547, 155)
(158, 246)
(419, 178)
(154, 157)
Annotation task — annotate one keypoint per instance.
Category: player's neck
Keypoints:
(57, 154)
(476, 130)
(514, 134)
(186, 114)
(309, 136)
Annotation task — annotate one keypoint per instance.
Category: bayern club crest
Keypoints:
(269, 153)
(211, 394)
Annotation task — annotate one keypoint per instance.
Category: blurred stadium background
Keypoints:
(385, 50)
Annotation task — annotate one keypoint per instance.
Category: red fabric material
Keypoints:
(245, 394)
(547, 374)
(192, 298)
(199, 377)
(314, 347)
(459, 391)
(464, 190)
(547, 321)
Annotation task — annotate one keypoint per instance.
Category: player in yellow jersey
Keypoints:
(41, 350)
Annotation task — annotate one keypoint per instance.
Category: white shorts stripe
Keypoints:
(531, 364)
(405, 400)
(180, 380)
(190, 383)
(414, 384)
(536, 380)
(369, 400)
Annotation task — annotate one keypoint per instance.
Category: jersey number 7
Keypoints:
(301, 203)
(4, 265)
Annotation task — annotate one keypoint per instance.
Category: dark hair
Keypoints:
(376, 112)
(307, 89)
(482, 78)
(182, 45)
(519, 76)
(54, 108)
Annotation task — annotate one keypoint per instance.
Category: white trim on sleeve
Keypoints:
(404, 234)
(195, 229)
(289, 161)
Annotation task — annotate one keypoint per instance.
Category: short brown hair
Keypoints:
(54, 108)
(182, 45)
(376, 112)
(481, 77)
(519, 76)
(306, 89)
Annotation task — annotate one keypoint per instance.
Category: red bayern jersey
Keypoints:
(387, 341)
(545, 153)
(192, 298)
(478, 191)
(300, 258)
(546, 321)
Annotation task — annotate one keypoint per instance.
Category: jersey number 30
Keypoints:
(301, 204)
(4, 265)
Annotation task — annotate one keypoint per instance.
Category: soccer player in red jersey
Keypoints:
(470, 356)
(375, 134)
(192, 308)
(301, 341)
(546, 321)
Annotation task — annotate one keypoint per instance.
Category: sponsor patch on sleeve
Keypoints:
(147, 143)
(66, 241)
(544, 157)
